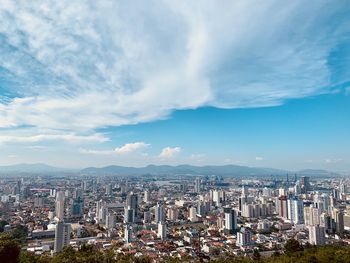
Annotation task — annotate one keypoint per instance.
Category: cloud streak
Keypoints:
(87, 65)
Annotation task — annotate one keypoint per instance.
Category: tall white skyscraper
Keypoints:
(230, 220)
(192, 214)
(147, 197)
(62, 235)
(296, 211)
(159, 214)
(317, 235)
(161, 230)
(197, 185)
(60, 197)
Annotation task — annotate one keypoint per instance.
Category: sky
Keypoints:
(246, 82)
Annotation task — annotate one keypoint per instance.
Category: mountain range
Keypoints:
(222, 170)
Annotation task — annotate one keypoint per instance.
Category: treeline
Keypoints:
(10, 252)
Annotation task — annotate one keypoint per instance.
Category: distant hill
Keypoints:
(224, 170)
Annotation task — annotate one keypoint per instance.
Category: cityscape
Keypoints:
(146, 131)
(207, 217)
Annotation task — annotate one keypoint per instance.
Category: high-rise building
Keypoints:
(77, 207)
(296, 211)
(230, 220)
(60, 197)
(192, 214)
(159, 213)
(129, 215)
(173, 214)
(305, 184)
(161, 230)
(317, 235)
(62, 235)
(311, 216)
(338, 217)
(244, 237)
(127, 234)
(147, 197)
(197, 185)
(110, 220)
(109, 189)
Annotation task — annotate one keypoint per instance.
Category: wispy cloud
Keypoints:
(259, 158)
(169, 152)
(85, 65)
(70, 137)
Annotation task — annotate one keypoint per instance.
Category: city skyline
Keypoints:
(95, 84)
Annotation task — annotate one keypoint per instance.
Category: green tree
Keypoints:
(9, 249)
(292, 246)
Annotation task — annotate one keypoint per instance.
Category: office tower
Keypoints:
(338, 217)
(159, 214)
(336, 194)
(77, 193)
(38, 201)
(108, 189)
(317, 235)
(282, 206)
(201, 208)
(60, 197)
(132, 201)
(173, 214)
(101, 211)
(266, 192)
(129, 215)
(343, 188)
(127, 234)
(305, 184)
(244, 237)
(296, 211)
(161, 230)
(218, 197)
(247, 211)
(311, 216)
(77, 207)
(62, 236)
(197, 185)
(244, 190)
(147, 197)
(147, 218)
(192, 214)
(230, 220)
(327, 222)
(53, 192)
(110, 220)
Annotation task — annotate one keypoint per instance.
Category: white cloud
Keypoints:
(126, 148)
(11, 156)
(131, 147)
(80, 66)
(69, 137)
(169, 152)
(259, 158)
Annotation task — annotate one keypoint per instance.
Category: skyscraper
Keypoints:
(230, 220)
(197, 185)
(159, 214)
(62, 235)
(317, 235)
(60, 197)
(161, 230)
(305, 184)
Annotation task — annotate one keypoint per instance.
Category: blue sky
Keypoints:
(116, 82)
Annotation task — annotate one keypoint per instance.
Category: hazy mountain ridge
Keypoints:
(185, 169)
